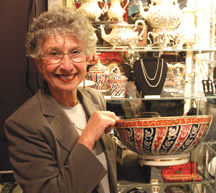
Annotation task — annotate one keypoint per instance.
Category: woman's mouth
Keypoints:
(66, 78)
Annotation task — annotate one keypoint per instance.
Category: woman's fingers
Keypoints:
(99, 123)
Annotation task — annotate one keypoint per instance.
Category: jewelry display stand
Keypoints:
(150, 74)
(209, 87)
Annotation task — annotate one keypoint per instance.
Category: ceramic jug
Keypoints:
(187, 33)
(91, 9)
(116, 11)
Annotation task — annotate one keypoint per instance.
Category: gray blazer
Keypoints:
(44, 151)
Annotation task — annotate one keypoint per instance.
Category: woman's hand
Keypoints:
(100, 122)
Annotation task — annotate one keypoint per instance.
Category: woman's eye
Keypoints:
(74, 52)
(54, 53)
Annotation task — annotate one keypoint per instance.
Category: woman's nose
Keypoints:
(66, 63)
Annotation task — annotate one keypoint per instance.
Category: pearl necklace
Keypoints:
(147, 78)
(87, 117)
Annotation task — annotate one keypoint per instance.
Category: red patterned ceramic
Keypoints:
(163, 141)
(100, 75)
(117, 83)
(100, 79)
(117, 88)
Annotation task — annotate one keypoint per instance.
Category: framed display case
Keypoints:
(170, 71)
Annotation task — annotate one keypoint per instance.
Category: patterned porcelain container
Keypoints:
(117, 83)
(163, 141)
(100, 75)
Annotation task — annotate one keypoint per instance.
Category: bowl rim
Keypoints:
(169, 117)
(171, 120)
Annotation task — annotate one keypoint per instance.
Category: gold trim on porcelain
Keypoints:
(164, 160)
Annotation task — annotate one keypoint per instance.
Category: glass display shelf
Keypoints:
(171, 95)
(152, 49)
(166, 94)
(109, 98)
(210, 97)
(126, 186)
(208, 183)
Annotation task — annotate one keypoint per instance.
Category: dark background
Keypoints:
(17, 76)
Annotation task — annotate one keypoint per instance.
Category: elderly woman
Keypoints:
(58, 139)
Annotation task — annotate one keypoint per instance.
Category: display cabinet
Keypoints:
(176, 99)
(184, 85)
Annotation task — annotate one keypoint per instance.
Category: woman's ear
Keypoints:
(38, 64)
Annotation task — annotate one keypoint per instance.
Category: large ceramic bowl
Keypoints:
(163, 141)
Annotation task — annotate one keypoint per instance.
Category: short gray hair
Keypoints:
(60, 21)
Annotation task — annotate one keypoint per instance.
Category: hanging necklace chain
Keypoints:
(86, 113)
(147, 78)
(155, 71)
(86, 116)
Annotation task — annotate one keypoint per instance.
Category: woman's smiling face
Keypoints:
(65, 75)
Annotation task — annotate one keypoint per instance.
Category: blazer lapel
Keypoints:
(62, 127)
(64, 130)
(88, 104)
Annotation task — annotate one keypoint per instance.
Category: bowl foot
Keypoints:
(163, 160)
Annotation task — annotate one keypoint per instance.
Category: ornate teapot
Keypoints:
(123, 34)
(91, 9)
(116, 11)
(162, 14)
